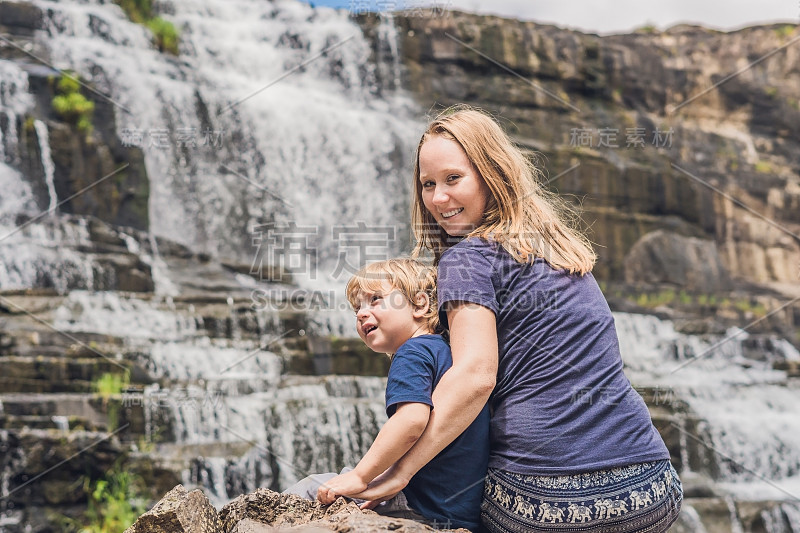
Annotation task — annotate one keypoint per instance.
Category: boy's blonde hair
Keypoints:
(527, 220)
(409, 276)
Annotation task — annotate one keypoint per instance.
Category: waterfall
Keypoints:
(750, 409)
(388, 46)
(15, 102)
(47, 163)
(239, 151)
(36, 251)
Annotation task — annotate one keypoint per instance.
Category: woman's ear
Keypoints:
(422, 303)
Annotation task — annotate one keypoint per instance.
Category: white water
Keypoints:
(47, 163)
(231, 391)
(750, 409)
(15, 101)
(271, 166)
(35, 251)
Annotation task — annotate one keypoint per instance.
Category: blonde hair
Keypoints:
(523, 217)
(409, 276)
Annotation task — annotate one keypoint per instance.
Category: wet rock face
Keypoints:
(20, 16)
(263, 511)
(739, 140)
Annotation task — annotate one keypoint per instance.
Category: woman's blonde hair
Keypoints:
(527, 220)
(409, 276)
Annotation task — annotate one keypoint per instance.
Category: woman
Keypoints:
(530, 331)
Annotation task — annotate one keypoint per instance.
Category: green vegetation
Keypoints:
(651, 300)
(141, 12)
(71, 105)
(110, 384)
(762, 167)
(107, 386)
(647, 28)
(110, 508)
(166, 35)
(772, 92)
(784, 31)
(747, 306)
(114, 503)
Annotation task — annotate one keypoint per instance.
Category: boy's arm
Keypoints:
(395, 438)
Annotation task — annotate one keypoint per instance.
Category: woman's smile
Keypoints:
(452, 213)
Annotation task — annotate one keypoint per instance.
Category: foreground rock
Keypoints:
(263, 511)
(179, 511)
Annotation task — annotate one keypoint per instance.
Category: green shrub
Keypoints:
(139, 11)
(110, 384)
(110, 503)
(785, 31)
(71, 105)
(165, 33)
(68, 83)
(763, 167)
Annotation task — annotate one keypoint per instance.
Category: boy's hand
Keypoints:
(383, 487)
(344, 485)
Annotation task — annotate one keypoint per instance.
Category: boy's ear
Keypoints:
(422, 304)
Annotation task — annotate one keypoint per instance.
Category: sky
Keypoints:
(611, 16)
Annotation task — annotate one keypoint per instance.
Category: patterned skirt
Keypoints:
(644, 497)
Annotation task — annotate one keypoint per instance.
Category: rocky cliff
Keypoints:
(681, 147)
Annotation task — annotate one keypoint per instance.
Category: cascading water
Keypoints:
(749, 409)
(47, 163)
(36, 251)
(290, 67)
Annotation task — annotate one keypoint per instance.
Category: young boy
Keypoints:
(396, 313)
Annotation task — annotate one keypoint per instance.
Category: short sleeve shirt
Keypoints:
(562, 404)
(449, 488)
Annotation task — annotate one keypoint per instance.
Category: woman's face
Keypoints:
(452, 190)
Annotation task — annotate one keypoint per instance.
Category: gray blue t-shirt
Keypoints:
(449, 488)
(562, 404)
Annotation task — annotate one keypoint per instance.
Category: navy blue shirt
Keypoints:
(449, 488)
(562, 404)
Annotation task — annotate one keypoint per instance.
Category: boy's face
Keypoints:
(385, 319)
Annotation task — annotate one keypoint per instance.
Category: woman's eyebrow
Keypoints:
(444, 171)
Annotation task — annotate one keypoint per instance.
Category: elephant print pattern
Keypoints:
(644, 497)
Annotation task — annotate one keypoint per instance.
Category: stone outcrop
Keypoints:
(716, 157)
(664, 257)
(179, 511)
(264, 511)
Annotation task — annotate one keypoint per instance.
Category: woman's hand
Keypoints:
(348, 484)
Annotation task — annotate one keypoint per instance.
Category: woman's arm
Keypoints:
(395, 438)
(458, 398)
